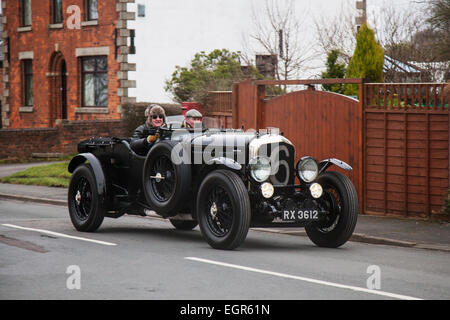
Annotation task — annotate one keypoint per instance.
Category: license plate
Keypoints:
(300, 215)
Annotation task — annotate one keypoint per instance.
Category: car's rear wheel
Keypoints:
(184, 225)
(166, 183)
(85, 207)
(341, 200)
(223, 210)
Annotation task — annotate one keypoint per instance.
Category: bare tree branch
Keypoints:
(268, 22)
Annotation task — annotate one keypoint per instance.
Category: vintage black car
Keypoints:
(225, 181)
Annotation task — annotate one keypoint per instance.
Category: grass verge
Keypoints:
(34, 160)
(52, 175)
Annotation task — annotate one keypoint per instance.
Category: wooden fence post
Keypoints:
(361, 142)
(234, 106)
(259, 104)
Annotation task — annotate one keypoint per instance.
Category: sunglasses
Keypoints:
(156, 116)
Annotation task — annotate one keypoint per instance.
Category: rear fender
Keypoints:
(96, 167)
(326, 163)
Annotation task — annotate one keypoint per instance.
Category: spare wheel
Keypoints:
(166, 183)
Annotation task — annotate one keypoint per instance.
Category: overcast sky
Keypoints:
(174, 30)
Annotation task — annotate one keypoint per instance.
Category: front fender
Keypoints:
(326, 163)
(96, 167)
(230, 163)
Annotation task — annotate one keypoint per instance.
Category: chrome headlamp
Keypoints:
(260, 168)
(307, 169)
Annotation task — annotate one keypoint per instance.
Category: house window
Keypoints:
(27, 76)
(57, 12)
(141, 10)
(94, 73)
(91, 10)
(25, 13)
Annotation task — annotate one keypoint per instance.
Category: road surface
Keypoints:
(43, 257)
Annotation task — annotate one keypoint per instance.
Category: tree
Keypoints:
(337, 32)
(439, 20)
(367, 60)
(395, 30)
(277, 29)
(334, 70)
(439, 14)
(214, 71)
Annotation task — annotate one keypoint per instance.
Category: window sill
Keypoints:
(24, 29)
(55, 26)
(89, 23)
(92, 110)
(26, 109)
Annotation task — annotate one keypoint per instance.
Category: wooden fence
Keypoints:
(396, 136)
(219, 107)
(406, 149)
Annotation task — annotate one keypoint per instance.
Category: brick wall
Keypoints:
(46, 41)
(22, 143)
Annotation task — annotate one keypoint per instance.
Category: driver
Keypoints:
(192, 117)
(145, 134)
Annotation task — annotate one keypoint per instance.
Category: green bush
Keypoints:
(335, 70)
(447, 203)
(367, 61)
(133, 114)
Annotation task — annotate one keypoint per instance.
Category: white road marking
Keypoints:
(325, 283)
(60, 235)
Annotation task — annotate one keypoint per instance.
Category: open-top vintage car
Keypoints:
(225, 181)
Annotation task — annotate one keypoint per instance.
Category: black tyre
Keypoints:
(223, 210)
(165, 183)
(184, 225)
(85, 206)
(341, 200)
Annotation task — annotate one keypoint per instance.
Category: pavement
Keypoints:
(432, 235)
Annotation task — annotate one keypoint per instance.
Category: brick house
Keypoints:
(64, 59)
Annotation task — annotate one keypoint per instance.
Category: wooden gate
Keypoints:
(319, 124)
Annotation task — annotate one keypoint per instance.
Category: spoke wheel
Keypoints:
(223, 210)
(83, 199)
(333, 203)
(162, 179)
(166, 179)
(341, 200)
(85, 206)
(220, 219)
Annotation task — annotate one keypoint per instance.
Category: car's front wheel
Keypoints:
(223, 210)
(341, 200)
(85, 208)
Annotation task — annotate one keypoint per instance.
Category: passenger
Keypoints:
(192, 117)
(144, 135)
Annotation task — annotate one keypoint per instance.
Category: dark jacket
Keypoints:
(139, 141)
